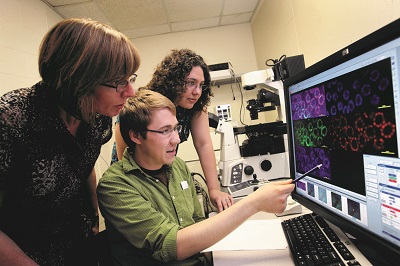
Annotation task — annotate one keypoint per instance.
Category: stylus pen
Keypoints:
(306, 173)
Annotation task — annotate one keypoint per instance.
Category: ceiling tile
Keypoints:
(237, 18)
(195, 24)
(128, 14)
(138, 18)
(185, 10)
(239, 6)
(64, 2)
(150, 31)
(84, 10)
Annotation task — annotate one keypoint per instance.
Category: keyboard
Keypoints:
(313, 242)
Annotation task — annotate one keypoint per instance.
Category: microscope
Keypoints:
(263, 156)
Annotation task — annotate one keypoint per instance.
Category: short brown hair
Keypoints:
(77, 55)
(137, 113)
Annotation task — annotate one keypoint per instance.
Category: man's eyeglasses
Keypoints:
(120, 87)
(193, 85)
(167, 132)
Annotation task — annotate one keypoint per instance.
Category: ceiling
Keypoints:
(140, 18)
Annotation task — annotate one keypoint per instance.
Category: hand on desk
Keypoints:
(292, 207)
(220, 199)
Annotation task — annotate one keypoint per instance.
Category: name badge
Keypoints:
(184, 185)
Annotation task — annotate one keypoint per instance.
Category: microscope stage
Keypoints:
(245, 188)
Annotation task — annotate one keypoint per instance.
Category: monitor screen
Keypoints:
(343, 112)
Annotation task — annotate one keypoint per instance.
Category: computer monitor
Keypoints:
(343, 112)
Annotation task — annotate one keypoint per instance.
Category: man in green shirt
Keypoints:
(148, 198)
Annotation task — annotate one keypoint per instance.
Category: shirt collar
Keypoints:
(129, 164)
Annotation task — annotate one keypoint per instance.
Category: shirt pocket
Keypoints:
(185, 206)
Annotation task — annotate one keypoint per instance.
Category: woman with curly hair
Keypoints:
(184, 78)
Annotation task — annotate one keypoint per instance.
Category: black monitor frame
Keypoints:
(367, 43)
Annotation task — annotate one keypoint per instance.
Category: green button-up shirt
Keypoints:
(143, 216)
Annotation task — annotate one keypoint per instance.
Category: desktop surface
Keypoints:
(279, 256)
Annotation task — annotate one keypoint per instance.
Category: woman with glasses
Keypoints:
(184, 78)
(51, 136)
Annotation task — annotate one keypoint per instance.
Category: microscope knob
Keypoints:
(266, 165)
(255, 181)
(248, 170)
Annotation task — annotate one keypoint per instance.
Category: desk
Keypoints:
(272, 257)
(280, 257)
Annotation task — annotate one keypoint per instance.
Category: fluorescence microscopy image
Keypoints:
(358, 112)
(361, 90)
(311, 132)
(308, 158)
(309, 103)
(364, 89)
(371, 133)
(336, 122)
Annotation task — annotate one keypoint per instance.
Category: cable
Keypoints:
(108, 165)
(241, 113)
(233, 78)
(275, 61)
(207, 206)
(275, 66)
(194, 173)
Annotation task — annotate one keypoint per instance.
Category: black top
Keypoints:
(43, 169)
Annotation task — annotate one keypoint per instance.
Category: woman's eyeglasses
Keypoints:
(120, 87)
(193, 85)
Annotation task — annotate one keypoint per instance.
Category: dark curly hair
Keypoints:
(169, 77)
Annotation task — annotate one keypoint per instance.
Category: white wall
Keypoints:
(23, 23)
(316, 28)
(216, 45)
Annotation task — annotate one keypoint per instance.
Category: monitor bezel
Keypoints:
(367, 43)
